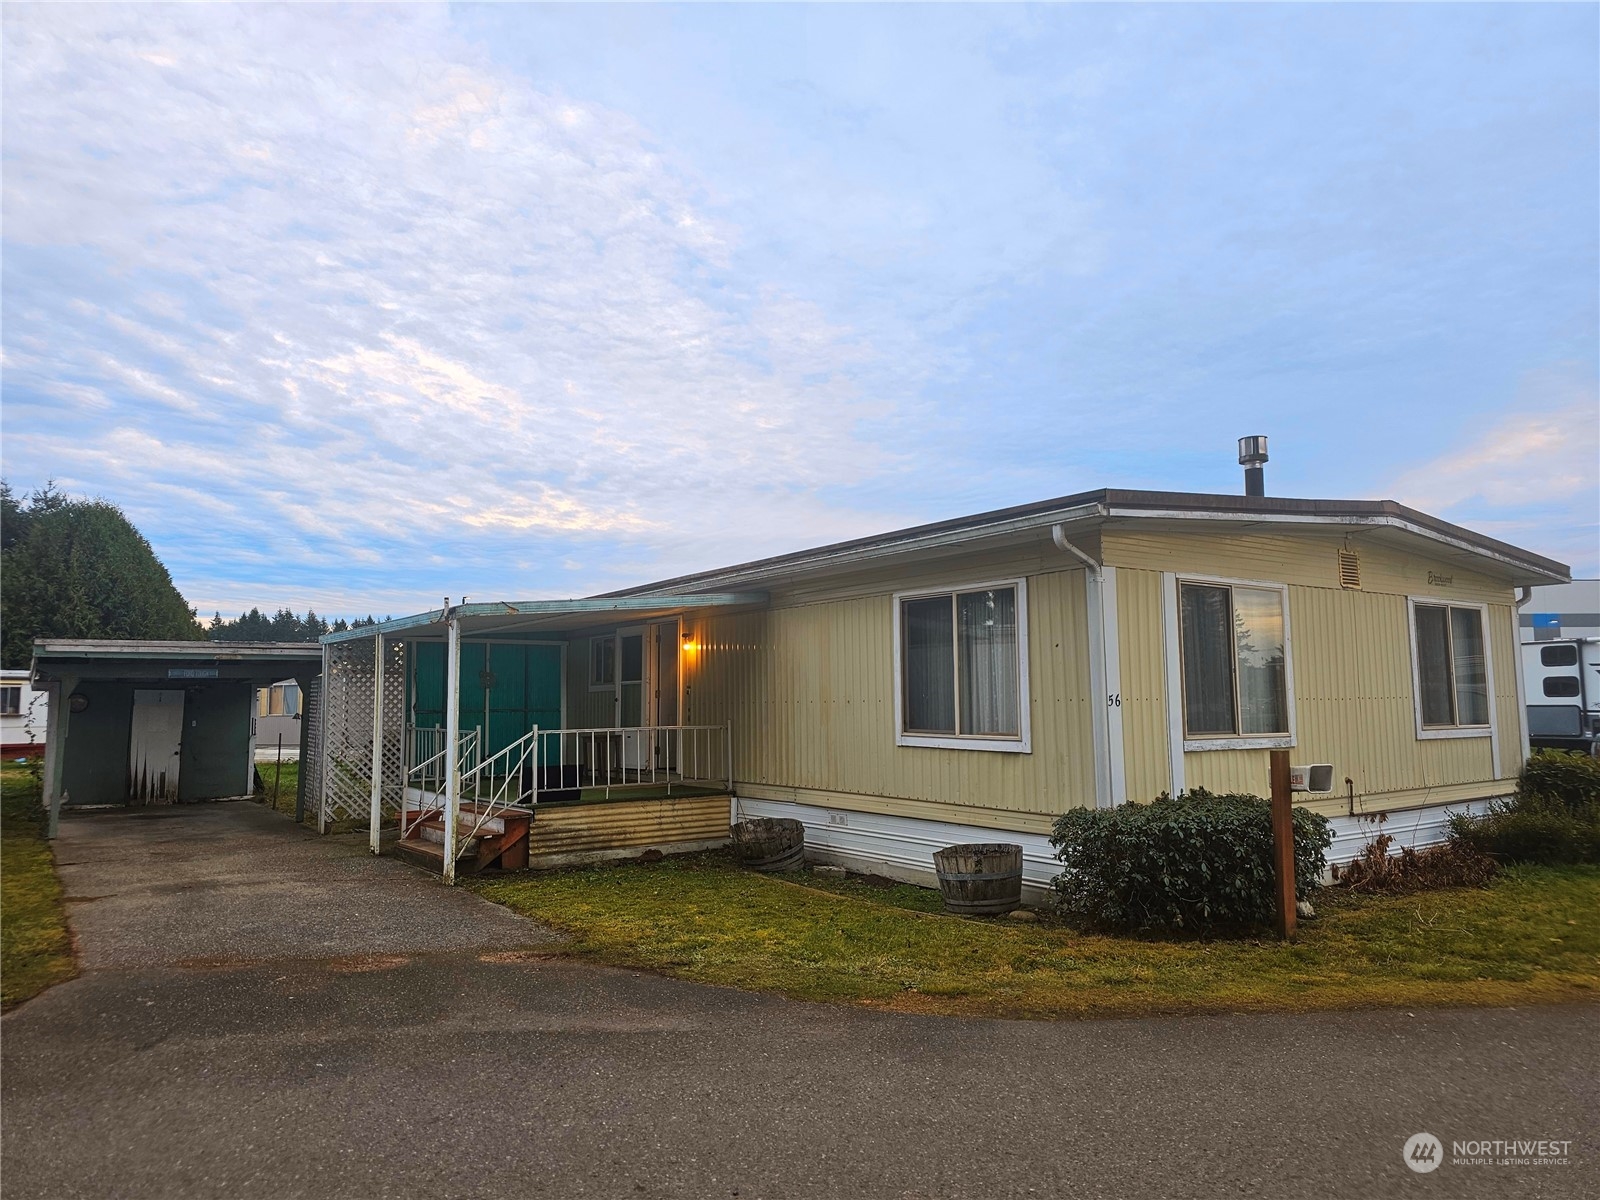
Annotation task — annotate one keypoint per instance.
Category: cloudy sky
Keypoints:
(360, 307)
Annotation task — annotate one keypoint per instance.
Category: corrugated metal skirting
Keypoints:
(902, 847)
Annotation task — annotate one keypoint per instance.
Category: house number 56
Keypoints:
(1114, 700)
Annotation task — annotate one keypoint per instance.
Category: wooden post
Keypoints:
(1283, 843)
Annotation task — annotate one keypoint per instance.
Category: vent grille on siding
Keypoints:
(1349, 569)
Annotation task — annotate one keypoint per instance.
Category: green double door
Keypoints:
(506, 688)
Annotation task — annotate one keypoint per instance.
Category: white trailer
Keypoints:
(24, 714)
(1561, 680)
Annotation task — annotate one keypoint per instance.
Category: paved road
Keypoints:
(265, 1013)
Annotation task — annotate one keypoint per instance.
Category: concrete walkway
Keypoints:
(265, 1013)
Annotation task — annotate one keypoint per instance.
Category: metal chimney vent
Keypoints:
(1252, 455)
(1349, 569)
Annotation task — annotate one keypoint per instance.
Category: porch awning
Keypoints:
(532, 616)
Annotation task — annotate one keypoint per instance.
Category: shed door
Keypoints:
(153, 746)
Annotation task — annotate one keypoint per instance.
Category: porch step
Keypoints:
(507, 847)
(433, 831)
(425, 854)
(468, 817)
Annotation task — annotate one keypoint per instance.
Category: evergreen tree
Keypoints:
(78, 568)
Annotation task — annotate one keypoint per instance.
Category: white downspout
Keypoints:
(452, 736)
(1106, 712)
(1524, 594)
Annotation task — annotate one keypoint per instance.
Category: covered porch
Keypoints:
(521, 733)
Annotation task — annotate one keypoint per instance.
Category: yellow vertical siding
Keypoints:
(1351, 656)
(1502, 631)
(1144, 684)
(807, 685)
(809, 689)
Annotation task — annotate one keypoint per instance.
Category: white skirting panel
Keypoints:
(899, 847)
(902, 847)
(1416, 828)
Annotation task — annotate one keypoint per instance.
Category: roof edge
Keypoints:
(1112, 503)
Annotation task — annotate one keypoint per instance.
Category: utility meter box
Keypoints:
(1317, 777)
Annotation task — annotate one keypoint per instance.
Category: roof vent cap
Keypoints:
(1252, 455)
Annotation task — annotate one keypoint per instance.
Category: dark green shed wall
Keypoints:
(95, 770)
(216, 742)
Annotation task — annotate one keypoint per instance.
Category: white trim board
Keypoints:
(1111, 636)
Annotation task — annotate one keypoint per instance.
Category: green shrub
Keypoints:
(1562, 780)
(1553, 819)
(1194, 861)
(1519, 832)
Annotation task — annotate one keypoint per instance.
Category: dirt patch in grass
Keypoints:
(1533, 937)
(35, 944)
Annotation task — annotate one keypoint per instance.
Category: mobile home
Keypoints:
(962, 681)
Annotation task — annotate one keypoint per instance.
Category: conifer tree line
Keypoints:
(72, 567)
(282, 626)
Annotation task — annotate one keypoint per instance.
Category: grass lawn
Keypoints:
(1532, 938)
(35, 947)
(278, 783)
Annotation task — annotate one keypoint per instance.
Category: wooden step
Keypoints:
(433, 832)
(429, 855)
(425, 847)
(468, 819)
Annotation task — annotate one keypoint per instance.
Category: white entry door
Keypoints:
(154, 746)
(633, 695)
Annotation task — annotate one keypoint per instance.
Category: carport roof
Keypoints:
(53, 657)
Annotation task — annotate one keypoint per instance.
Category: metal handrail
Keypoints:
(631, 756)
(616, 757)
(431, 769)
(486, 803)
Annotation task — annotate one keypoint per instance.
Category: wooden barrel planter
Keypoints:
(770, 843)
(981, 879)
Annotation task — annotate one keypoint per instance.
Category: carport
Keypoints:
(136, 722)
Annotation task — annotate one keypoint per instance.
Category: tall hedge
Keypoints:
(78, 568)
(1193, 861)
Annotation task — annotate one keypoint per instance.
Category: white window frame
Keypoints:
(1175, 716)
(589, 665)
(1021, 744)
(1431, 732)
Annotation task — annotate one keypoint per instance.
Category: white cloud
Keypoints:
(356, 284)
(1531, 478)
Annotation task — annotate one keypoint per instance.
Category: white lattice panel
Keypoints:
(347, 709)
(311, 765)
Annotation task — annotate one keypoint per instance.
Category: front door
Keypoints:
(633, 695)
(154, 744)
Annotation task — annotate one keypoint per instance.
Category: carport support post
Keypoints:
(55, 750)
(377, 741)
(1283, 843)
(452, 757)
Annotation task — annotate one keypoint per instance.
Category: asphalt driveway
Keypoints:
(268, 1013)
